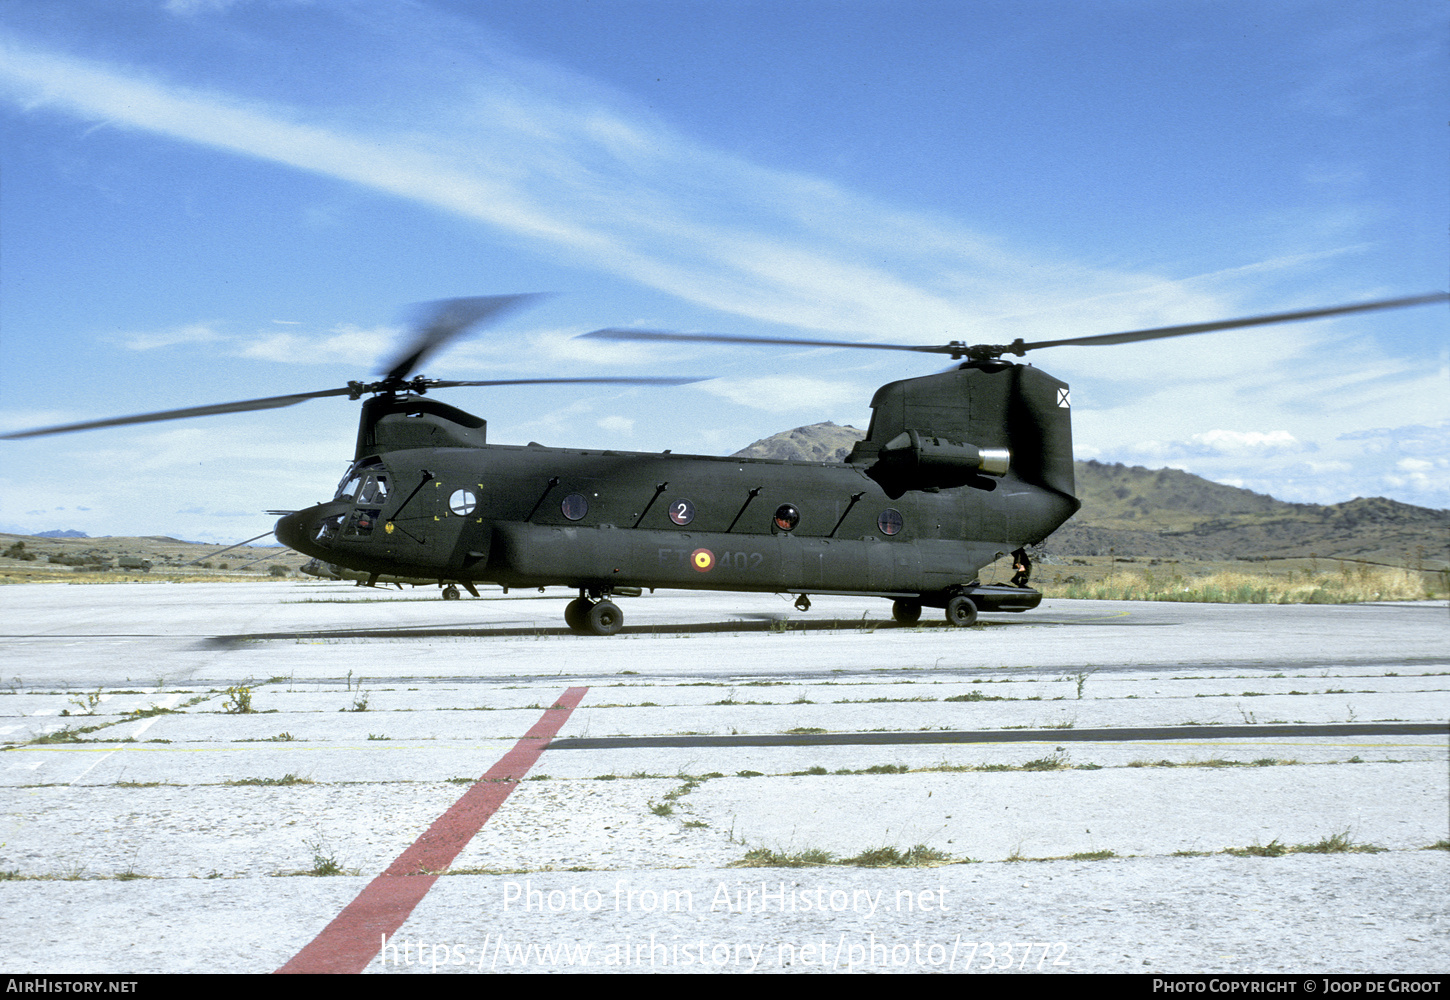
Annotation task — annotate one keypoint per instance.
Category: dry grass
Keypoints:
(65, 574)
(1349, 585)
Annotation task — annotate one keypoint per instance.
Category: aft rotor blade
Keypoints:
(621, 380)
(615, 333)
(442, 321)
(269, 403)
(1231, 324)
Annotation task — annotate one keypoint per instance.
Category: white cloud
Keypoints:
(187, 8)
(617, 425)
(358, 347)
(784, 394)
(1220, 442)
(540, 157)
(192, 333)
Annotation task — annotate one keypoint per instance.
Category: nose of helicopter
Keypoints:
(301, 529)
(291, 529)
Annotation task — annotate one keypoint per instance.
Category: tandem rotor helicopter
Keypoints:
(957, 469)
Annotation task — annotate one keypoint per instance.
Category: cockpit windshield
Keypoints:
(364, 484)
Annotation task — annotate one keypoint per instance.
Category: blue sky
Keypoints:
(205, 200)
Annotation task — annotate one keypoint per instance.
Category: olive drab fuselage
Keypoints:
(957, 469)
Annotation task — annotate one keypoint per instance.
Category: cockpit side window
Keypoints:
(327, 531)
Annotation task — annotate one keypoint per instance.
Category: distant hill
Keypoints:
(825, 442)
(1169, 514)
(27, 558)
(69, 533)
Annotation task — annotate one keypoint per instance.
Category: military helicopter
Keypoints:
(957, 469)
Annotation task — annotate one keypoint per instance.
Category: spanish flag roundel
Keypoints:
(703, 560)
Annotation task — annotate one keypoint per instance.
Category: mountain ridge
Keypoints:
(1172, 514)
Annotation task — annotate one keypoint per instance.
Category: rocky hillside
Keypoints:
(825, 442)
(1168, 514)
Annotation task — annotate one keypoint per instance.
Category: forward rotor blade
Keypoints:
(1231, 324)
(622, 380)
(442, 321)
(614, 333)
(269, 403)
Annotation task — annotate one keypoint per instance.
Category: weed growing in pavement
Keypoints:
(764, 857)
(85, 703)
(288, 779)
(1339, 843)
(147, 713)
(323, 861)
(1272, 849)
(239, 700)
(890, 857)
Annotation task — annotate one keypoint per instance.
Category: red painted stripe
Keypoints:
(349, 943)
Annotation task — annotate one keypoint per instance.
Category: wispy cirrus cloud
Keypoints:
(538, 156)
(345, 343)
(190, 333)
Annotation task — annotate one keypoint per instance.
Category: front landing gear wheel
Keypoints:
(450, 593)
(604, 618)
(961, 611)
(906, 612)
(803, 603)
(576, 614)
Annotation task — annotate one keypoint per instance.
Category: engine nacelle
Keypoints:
(917, 461)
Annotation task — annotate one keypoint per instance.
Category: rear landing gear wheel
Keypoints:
(803, 603)
(906, 612)
(604, 618)
(450, 593)
(576, 613)
(961, 611)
